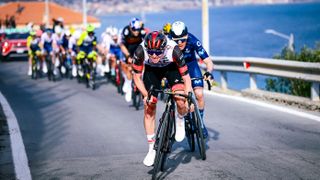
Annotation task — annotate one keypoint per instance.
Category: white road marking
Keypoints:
(263, 104)
(20, 159)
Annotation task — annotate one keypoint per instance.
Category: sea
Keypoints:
(239, 31)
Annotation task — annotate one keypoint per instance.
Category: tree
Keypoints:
(294, 86)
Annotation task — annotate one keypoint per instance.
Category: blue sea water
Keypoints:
(239, 30)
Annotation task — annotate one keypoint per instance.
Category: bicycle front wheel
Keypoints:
(160, 143)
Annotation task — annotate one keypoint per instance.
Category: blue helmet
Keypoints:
(135, 24)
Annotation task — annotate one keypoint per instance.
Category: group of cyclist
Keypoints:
(56, 44)
(146, 57)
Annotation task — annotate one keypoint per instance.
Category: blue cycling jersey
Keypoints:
(194, 46)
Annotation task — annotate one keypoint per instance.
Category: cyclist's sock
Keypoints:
(151, 140)
(201, 115)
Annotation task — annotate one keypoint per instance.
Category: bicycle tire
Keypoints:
(190, 135)
(160, 139)
(199, 136)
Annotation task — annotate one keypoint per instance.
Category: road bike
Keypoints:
(165, 135)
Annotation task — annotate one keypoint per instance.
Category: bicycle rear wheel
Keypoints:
(160, 143)
(199, 135)
(190, 134)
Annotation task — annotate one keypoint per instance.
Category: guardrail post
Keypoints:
(253, 81)
(315, 91)
(224, 80)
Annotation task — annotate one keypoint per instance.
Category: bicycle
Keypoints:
(50, 65)
(193, 128)
(119, 77)
(35, 66)
(90, 73)
(165, 136)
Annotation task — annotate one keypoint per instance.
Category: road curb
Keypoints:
(20, 159)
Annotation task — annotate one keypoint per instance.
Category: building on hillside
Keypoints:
(23, 13)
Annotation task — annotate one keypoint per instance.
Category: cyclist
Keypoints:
(160, 57)
(190, 45)
(166, 28)
(87, 44)
(112, 50)
(132, 36)
(33, 47)
(47, 49)
(72, 46)
(59, 50)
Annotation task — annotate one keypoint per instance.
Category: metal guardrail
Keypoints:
(273, 67)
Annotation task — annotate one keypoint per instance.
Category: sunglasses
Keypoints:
(181, 40)
(155, 51)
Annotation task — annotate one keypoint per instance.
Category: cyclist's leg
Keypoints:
(43, 59)
(30, 55)
(175, 81)
(150, 78)
(197, 86)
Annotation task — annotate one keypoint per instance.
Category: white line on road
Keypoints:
(20, 159)
(271, 106)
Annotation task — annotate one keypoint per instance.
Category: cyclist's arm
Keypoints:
(209, 64)
(183, 68)
(138, 63)
(204, 55)
(124, 50)
(29, 39)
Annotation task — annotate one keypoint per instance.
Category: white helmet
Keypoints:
(108, 30)
(178, 29)
(67, 33)
(77, 34)
(113, 31)
(58, 30)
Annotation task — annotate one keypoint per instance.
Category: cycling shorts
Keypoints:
(115, 51)
(154, 75)
(195, 72)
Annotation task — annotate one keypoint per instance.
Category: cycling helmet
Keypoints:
(49, 31)
(136, 24)
(77, 34)
(32, 33)
(166, 28)
(58, 30)
(90, 28)
(155, 41)
(68, 33)
(38, 32)
(113, 31)
(178, 29)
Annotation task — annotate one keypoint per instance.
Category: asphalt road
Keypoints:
(71, 132)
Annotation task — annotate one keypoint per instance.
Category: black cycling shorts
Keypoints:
(154, 75)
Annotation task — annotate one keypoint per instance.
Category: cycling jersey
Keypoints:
(72, 44)
(47, 42)
(130, 41)
(171, 66)
(172, 54)
(33, 44)
(112, 46)
(86, 42)
(194, 46)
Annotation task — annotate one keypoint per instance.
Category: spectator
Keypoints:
(6, 21)
(12, 21)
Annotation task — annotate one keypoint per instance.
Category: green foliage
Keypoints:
(294, 86)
